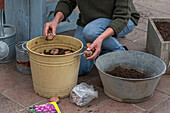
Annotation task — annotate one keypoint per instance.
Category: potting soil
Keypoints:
(164, 29)
(61, 51)
(126, 73)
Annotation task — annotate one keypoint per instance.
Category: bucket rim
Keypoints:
(8, 25)
(75, 52)
(18, 44)
(130, 79)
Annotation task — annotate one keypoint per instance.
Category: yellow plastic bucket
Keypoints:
(54, 75)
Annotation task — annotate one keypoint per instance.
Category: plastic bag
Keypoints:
(83, 94)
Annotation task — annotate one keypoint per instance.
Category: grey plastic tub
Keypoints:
(125, 89)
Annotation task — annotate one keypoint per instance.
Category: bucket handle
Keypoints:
(78, 54)
(23, 47)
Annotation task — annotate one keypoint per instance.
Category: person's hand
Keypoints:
(97, 45)
(50, 27)
(98, 42)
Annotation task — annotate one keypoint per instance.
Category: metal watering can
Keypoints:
(7, 40)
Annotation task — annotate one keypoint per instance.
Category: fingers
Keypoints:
(90, 46)
(95, 54)
(54, 31)
(95, 49)
(49, 27)
(46, 27)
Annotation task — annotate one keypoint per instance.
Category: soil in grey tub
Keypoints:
(126, 73)
(164, 28)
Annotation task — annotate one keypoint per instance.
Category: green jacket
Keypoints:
(120, 11)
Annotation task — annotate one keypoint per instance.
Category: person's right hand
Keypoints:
(50, 27)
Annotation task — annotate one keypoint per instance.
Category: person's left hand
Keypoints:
(97, 45)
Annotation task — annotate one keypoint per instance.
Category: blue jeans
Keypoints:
(91, 31)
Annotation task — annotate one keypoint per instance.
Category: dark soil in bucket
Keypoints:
(57, 51)
(164, 29)
(126, 73)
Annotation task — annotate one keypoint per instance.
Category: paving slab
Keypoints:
(162, 108)
(157, 98)
(67, 107)
(135, 35)
(164, 84)
(123, 40)
(10, 79)
(23, 111)
(142, 40)
(101, 97)
(93, 74)
(96, 82)
(165, 1)
(111, 106)
(142, 24)
(11, 65)
(135, 47)
(138, 37)
(8, 106)
(154, 4)
(24, 95)
(2, 67)
(147, 12)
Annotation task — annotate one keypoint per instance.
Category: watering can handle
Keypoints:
(23, 47)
